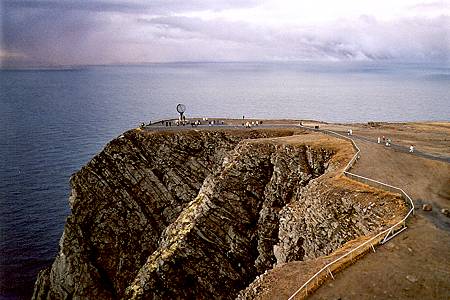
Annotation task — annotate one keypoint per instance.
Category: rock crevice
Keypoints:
(198, 214)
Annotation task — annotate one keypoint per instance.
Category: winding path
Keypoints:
(416, 264)
(400, 148)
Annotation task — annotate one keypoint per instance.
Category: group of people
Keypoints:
(205, 121)
(388, 142)
(249, 124)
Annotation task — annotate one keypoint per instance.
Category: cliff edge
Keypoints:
(202, 213)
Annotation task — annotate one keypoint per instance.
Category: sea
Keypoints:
(53, 121)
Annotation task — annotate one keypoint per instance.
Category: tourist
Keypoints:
(388, 142)
(411, 149)
(378, 140)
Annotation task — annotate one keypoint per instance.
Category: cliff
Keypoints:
(200, 214)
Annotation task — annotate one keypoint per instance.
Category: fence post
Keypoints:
(389, 231)
(330, 273)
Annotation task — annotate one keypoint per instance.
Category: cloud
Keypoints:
(92, 6)
(365, 38)
(193, 27)
(417, 39)
(49, 37)
(438, 5)
(154, 6)
(103, 32)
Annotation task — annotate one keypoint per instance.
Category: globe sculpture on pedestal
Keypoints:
(181, 108)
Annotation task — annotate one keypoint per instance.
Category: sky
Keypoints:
(86, 32)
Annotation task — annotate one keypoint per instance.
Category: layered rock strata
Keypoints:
(199, 214)
(121, 202)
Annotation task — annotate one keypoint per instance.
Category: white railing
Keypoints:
(388, 233)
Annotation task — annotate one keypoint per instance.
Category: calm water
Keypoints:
(52, 122)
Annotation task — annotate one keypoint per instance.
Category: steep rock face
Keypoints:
(121, 203)
(326, 215)
(200, 214)
(329, 213)
(225, 237)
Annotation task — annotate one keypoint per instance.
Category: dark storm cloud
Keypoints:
(47, 36)
(72, 32)
(94, 6)
(158, 6)
(102, 32)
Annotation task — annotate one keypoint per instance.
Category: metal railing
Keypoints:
(381, 238)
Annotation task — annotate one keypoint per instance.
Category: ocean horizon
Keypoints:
(54, 120)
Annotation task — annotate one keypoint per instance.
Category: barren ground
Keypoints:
(415, 264)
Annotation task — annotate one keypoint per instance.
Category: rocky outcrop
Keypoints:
(327, 215)
(225, 237)
(200, 214)
(122, 201)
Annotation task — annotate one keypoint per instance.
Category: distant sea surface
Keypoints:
(53, 121)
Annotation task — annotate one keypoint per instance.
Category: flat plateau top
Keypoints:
(429, 138)
(420, 254)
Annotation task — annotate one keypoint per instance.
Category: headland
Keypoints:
(251, 209)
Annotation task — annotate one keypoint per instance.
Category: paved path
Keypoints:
(416, 264)
(216, 127)
(401, 148)
(396, 166)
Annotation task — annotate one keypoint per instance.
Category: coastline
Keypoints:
(278, 125)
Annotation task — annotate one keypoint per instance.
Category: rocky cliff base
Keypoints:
(200, 214)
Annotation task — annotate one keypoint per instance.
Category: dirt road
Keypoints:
(416, 264)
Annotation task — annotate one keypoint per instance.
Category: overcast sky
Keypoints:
(77, 32)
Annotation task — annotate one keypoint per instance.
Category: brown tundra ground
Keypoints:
(416, 263)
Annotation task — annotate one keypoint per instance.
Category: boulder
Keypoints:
(427, 207)
(445, 212)
(411, 278)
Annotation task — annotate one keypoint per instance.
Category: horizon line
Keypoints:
(317, 61)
